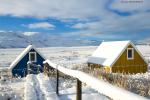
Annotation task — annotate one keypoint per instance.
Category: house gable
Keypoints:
(136, 64)
(20, 68)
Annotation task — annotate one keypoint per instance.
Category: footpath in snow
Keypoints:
(40, 87)
(46, 87)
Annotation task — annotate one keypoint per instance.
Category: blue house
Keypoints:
(30, 60)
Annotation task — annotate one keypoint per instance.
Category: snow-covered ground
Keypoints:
(88, 94)
(40, 87)
(65, 56)
(71, 57)
(12, 89)
(61, 55)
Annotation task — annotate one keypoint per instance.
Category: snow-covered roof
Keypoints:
(13, 64)
(96, 60)
(108, 52)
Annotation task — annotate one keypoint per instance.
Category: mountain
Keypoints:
(145, 41)
(22, 39)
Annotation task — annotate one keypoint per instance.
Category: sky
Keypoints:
(87, 20)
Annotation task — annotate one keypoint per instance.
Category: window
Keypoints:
(130, 53)
(32, 56)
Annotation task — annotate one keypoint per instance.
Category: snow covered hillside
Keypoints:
(11, 39)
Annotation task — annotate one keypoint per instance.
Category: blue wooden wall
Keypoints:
(21, 68)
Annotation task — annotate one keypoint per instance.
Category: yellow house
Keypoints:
(118, 56)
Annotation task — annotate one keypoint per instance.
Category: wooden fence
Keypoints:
(102, 87)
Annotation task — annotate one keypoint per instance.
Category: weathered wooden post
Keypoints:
(44, 71)
(57, 82)
(79, 90)
(38, 69)
(28, 67)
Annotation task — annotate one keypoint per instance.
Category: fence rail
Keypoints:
(102, 87)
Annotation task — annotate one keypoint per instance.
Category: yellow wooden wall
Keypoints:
(98, 66)
(136, 65)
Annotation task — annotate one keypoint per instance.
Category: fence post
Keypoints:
(57, 82)
(79, 90)
(28, 68)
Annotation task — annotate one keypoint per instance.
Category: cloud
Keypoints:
(131, 5)
(53, 8)
(2, 31)
(44, 25)
(118, 24)
(30, 33)
(80, 26)
(114, 23)
(89, 25)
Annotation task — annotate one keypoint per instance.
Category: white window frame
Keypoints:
(30, 56)
(132, 53)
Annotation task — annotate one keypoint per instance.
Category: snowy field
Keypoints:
(62, 55)
(12, 89)
(35, 87)
(40, 87)
(56, 54)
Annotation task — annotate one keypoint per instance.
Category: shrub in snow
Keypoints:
(138, 83)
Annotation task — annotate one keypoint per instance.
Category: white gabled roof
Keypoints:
(108, 52)
(14, 63)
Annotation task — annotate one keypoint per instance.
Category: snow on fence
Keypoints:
(102, 87)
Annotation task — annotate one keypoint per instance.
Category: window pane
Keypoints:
(32, 56)
(129, 53)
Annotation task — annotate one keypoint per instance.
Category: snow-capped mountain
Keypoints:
(22, 39)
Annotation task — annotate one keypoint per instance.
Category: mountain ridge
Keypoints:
(20, 40)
